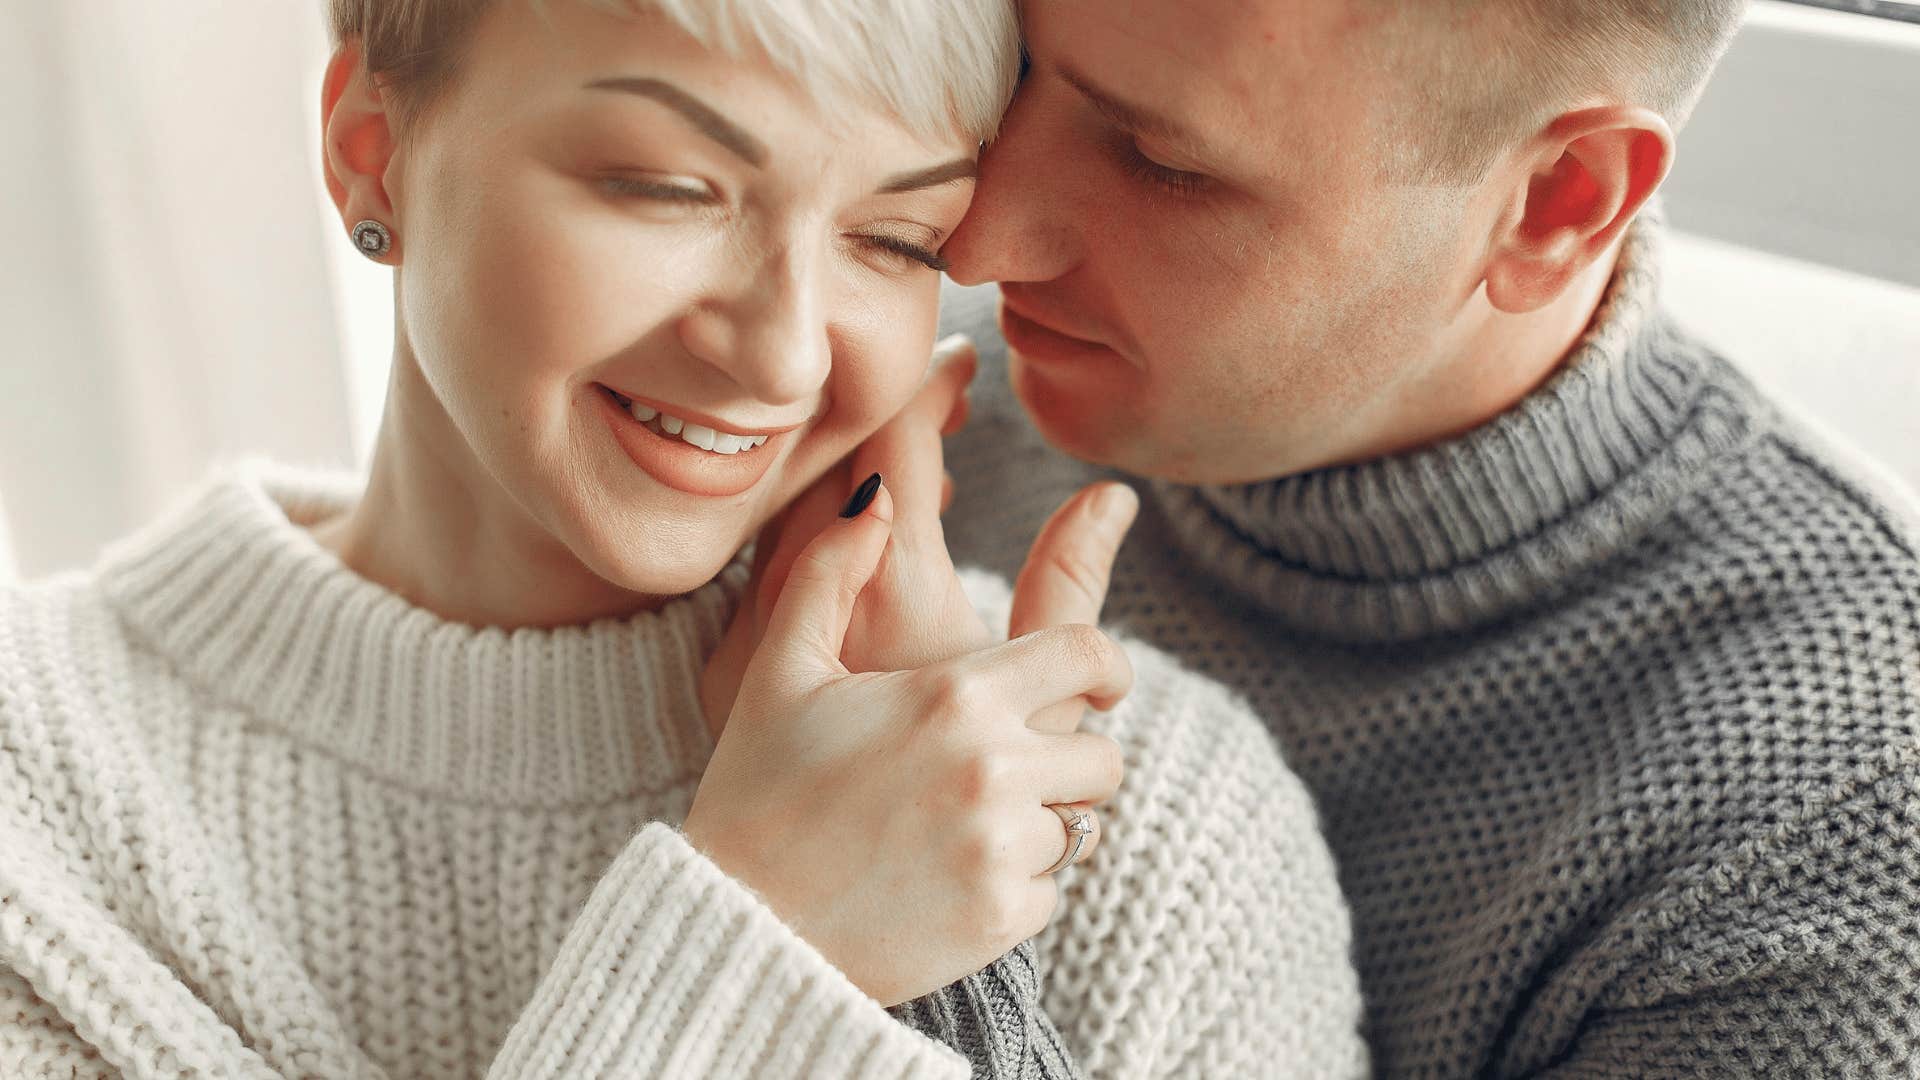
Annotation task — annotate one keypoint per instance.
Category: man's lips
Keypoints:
(1039, 320)
(1038, 343)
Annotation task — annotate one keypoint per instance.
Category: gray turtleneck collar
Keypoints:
(1467, 531)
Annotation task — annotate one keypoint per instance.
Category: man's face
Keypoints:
(1204, 274)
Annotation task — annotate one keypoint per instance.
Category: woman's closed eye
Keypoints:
(911, 247)
(904, 250)
(662, 188)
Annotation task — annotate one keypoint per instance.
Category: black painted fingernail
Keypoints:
(862, 497)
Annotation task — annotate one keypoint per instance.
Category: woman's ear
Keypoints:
(357, 144)
(1587, 175)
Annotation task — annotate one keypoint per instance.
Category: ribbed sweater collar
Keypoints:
(1466, 532)
(232, 590)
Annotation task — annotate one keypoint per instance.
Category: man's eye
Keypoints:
(680, 191)
(1165, 177)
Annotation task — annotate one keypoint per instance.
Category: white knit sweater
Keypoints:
(260, 817)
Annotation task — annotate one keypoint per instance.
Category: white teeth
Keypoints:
(706, 438)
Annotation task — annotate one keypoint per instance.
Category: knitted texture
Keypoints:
(1610, 707)
(259, 817)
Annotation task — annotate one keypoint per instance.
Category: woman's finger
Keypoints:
(1044, 668)
(803, 519)
(808, 625)
(720, 678)
(1074, 767)
(1071, 562)
(907, 449)
(1051, 836)
(1042, 838)
(1066, 576)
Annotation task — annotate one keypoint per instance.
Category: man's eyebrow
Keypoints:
(957, 169)
(697, 112)
(1134, 118)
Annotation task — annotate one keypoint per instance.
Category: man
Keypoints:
(1604, 678)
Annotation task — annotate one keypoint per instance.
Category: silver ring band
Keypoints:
(1079, 826)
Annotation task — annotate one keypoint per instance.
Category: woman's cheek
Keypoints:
(869, 391)
(887, 349)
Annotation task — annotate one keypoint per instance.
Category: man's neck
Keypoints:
(1497, 360)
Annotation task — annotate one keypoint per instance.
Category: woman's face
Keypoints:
(600, 222)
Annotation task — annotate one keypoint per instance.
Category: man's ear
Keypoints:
(356, 144)
(1584, 178)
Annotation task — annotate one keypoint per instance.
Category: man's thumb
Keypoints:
(809, 621)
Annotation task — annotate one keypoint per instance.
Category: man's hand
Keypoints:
(914, 612)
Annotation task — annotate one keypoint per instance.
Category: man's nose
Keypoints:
(767, 329)
(1022, 223)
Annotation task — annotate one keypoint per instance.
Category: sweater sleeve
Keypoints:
(1797, 955)
(674, 968)
(995, 1018)
(81, 995)
(35, 1040)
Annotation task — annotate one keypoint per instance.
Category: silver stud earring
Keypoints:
(372, 238)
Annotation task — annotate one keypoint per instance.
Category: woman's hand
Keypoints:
(914, 610)
(898, 820)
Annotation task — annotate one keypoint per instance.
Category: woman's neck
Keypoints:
(436, 529)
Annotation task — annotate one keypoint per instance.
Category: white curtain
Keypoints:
(175, 287)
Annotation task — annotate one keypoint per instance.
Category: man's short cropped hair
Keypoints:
(1479, 75)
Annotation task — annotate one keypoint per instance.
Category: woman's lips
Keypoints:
(681, 465)
(685, 413)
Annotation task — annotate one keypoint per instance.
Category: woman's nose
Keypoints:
(767, 331)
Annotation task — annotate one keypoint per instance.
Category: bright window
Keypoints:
(1906, 10)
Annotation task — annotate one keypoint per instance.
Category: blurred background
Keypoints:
(177, 289)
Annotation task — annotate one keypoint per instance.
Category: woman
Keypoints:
(315, 780)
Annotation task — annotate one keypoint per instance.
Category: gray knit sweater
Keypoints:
(1611, 706)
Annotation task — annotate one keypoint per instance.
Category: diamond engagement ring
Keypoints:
(1079, 826)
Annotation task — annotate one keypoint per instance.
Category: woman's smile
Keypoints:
(686, 456)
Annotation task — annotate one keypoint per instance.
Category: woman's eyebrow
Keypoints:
(698, 113)
(957, 169)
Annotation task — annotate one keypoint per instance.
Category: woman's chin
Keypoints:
(654, 562)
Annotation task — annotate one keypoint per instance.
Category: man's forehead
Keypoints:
(1226, 67)
(1244, 35)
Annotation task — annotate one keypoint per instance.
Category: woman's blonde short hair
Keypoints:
(938, 65)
